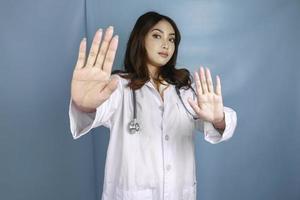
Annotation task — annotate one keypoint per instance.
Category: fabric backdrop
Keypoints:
(253, 45)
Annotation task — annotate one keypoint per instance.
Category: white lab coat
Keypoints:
(159, 162)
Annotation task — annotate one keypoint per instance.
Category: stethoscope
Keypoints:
(134, 126)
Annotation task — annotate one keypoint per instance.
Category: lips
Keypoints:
(163, 54)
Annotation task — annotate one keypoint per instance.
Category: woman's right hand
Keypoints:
(91, 82)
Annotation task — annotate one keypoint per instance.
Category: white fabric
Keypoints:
(159, 162)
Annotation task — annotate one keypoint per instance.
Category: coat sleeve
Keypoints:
(82, 122)
(211, 134)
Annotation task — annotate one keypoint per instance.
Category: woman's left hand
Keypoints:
(209, 103)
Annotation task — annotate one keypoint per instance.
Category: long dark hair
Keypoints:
(136, 56)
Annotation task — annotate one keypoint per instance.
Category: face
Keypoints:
(160, 44)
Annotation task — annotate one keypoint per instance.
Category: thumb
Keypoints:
(111, 86)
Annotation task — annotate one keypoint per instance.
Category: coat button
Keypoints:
(167, 137)
(169, 167)
(161, 108)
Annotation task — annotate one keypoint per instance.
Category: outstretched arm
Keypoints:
(209, 103)
(91, 82)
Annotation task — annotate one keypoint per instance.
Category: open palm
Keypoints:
(209, 103)
(91, 82)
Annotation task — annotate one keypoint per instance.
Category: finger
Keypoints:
(95, 48)
(81, 54)
(110, 55)
(209, 80)
(104, 46)
(194, 105)
(218, 86)
(203, 80)
(198, 84)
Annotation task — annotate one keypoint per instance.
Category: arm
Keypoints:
(217, 122)
(93, 90)
(82, 122)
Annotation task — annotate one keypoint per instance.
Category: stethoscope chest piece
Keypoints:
(134, 126)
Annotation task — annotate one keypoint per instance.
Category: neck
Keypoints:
(152, 71)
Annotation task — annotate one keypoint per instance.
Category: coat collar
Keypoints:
(163, 86)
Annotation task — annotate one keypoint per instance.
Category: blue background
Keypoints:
(253, 45)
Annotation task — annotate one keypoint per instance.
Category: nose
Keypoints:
(165, 44)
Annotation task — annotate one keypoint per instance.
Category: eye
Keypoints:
(156, 36)
(172, 40)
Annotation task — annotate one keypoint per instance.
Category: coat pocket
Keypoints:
(145, 194)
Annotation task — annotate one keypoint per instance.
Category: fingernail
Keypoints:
(98, 35)
(110, 28)
(117, 37)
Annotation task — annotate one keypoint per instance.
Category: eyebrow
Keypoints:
(156, 29)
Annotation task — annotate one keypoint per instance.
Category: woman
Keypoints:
(151, 110)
